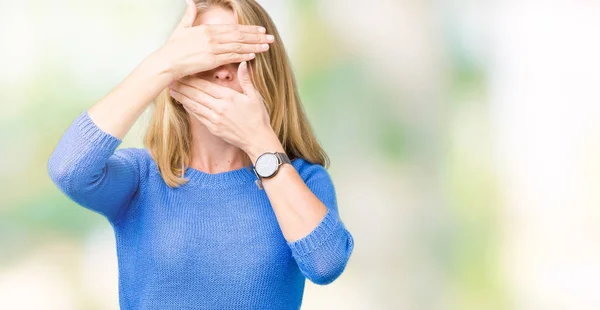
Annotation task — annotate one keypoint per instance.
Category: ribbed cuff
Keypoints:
(317, 237)
(96, 136)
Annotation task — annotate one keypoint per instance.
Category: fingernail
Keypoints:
(264, 47)
(262, 29)
(252, 55)
(270, 37)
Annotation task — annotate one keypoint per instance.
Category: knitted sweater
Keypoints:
(213, 243)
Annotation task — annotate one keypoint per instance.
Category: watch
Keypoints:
(267, 166)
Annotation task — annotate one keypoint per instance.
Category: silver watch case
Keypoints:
(267, 165)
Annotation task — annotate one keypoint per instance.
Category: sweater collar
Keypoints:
(204, 179)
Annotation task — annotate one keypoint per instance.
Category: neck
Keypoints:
(212, 154)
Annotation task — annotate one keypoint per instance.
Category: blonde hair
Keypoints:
(169, 138)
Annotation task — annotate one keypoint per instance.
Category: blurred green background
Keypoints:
(464, 138)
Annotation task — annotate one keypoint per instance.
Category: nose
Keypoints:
(223, 73)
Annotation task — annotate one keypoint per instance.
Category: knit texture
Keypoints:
(213, 243)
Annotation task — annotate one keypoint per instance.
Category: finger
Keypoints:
(240, 48)
(244, 37)
(200, 97)
(190, 14)
(191, 84)
(202, 120)
(193, 105)
(245, 79)
(217, 29)
(229, 58)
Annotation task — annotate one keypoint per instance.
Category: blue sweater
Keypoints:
(213, 243)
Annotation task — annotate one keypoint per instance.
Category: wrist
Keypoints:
(268, 142)
(160, 66)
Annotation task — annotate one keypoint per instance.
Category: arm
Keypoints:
(116, 113)
(85, 165)
(308, 216)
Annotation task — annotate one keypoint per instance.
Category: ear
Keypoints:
(246, 80)
(190, 14)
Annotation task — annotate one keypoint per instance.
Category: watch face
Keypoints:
(266, 165)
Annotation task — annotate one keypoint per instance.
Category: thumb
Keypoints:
(190, 14)
(245, 79)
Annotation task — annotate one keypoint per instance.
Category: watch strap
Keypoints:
(283, 158)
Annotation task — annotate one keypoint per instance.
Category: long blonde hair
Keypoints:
(169, 138)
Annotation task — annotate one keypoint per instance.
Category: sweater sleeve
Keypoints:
(87, 169)
(322, 255)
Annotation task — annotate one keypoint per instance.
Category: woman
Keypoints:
(229, 205)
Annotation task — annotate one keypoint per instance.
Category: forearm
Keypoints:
(118, 110)
(297, 209)
(302, 196)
